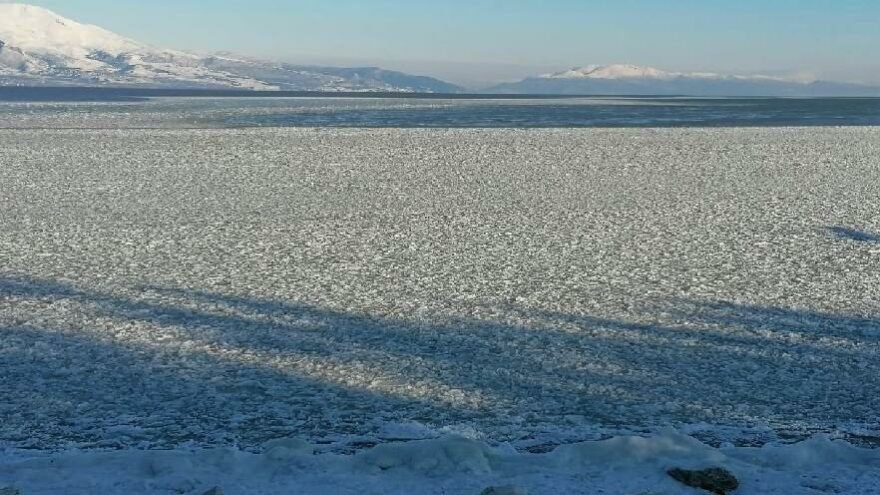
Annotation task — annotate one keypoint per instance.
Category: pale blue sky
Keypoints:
(833, 39)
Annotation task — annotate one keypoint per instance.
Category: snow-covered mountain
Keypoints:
(39, 47)
(627, 71)
(625, 79)
(611, 72)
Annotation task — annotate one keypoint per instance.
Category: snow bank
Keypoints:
(449, 465)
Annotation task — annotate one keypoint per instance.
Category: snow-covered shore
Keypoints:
(217, 289)
(451, 465)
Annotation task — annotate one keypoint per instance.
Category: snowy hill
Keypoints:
(624, 79)
(37, 30)
(625, 71)
(39, 47)
(611, 72)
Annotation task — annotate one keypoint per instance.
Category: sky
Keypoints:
(479, 42)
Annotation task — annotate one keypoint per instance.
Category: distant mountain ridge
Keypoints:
(39, 47)
(627, 71)
(624, 79)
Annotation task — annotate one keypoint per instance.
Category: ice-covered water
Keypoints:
(224, 287)
(448, 305)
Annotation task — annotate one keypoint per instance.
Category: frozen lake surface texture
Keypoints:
(190, 289)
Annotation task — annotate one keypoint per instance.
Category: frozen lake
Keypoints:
(214, 287)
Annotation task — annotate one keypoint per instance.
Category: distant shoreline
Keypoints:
(110, 94)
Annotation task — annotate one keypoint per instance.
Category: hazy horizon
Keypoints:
(483, 42)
